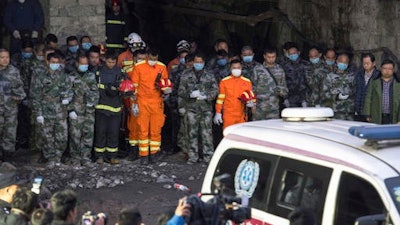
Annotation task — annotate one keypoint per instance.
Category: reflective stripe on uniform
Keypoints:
(101, 86)
(220, 101)
(155, 142)
(146, 141)
(109, 149)
(144, 149)
(99, 149)
(115, 46)
(127, 62)
(108, 108)
(133, 142)
(154, 148)
(115, 22)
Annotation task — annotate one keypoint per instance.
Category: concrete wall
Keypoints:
(341, 23)
(76, 17)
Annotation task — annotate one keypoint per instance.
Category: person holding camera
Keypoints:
(129, 216)
(8, 186)
(22, 205)
(181, 211)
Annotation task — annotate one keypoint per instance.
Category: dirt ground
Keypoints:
(109, 188)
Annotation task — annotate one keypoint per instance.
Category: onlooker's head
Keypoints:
(94, 55)
(63, 205)
(302, 216)
(4, 60)
(8, 177)
(42, 217)
(72, 44)
(368, 61)
(387, 69)
(129, 216)
(86, 42)
(24, 200)
(111, 58)
(51, 41)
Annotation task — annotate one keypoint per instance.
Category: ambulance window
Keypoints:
(299, 184)
(356, 198)
(250, 175)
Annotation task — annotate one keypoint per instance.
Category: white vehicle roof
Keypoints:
(326, 140)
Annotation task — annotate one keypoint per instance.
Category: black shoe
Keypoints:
(133, 153)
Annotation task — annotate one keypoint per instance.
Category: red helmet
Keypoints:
(116, 3)
(247, 96)
(165, 84)
(127, 86)
(102, 49)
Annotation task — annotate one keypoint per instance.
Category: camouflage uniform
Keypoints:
(199, 112)
(48, 90)
(314, 78)
(11, 93)
(344, 83)
(280, 90)
(183, 141)
(295, 72)
(81, 130)
(264, 88)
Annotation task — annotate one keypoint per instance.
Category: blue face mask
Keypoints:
(27, 55)
(74, 48)
(198, 66)
(54, 66)
(330, 62)
(222, 62)
(86, 45)
(342, 66)
(182, 60)
(83, 68)
(314, 60)
(247, 58)
(293, 57)
(40, 57)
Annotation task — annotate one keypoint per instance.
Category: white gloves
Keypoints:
(135, 110)
(35, 34)
(195, 94)
(250, 104)
(167, 91)
(342, 96)
(16, 34)
(89, 105)
(202, 97)
(286, 103)
(303, 104)
(72, 115)
(40, 119)
(218, 119)
(65, 102)
(182, 111)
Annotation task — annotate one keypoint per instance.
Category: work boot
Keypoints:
(114, 161)
(133, 153)
(100, 160)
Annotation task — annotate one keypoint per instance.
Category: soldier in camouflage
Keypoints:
(280, 90)
(11, 94)
(295, 70)
(198, 89)
(81, 116)
(51, 95)
(314, 77)
(330, 59)
(339, 88)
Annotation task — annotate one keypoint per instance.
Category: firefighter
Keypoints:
(150, 105)
(229, 98)
(126, 59)
(108, 111)
(115, 27)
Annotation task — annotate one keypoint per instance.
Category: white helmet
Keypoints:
(135, 42)
(183, 46)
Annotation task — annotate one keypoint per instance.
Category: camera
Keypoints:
(36, 185)
(89, 218)
(219, 209)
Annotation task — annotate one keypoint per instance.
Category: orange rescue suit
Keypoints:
(228, 101)
(151, 106)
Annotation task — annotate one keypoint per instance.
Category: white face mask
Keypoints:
(21, 1)
(236, 72)
(152, 62)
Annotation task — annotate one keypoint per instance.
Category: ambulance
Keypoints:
(344, 172)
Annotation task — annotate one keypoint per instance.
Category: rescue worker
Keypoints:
(330, 59)
(94, 60)
(339, 88)
(315, 76)
(197, 90)
(26, 53)
(71, 54)
(230, 90)
(278, 74)
(108, 110)
(82, 112)
(11, 94)
(51, 94)
(182, 48)
(115, 27)
(51, 41)
(132, 121)
(85, 43)
(126, 59)
(150, 105)
(295, 72)
(220, 44)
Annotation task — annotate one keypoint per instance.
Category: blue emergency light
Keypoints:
(376, 133)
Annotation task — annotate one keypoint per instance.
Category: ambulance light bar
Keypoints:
(376, 133)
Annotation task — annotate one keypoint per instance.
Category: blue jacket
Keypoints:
(361, 89)
(25, 16)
